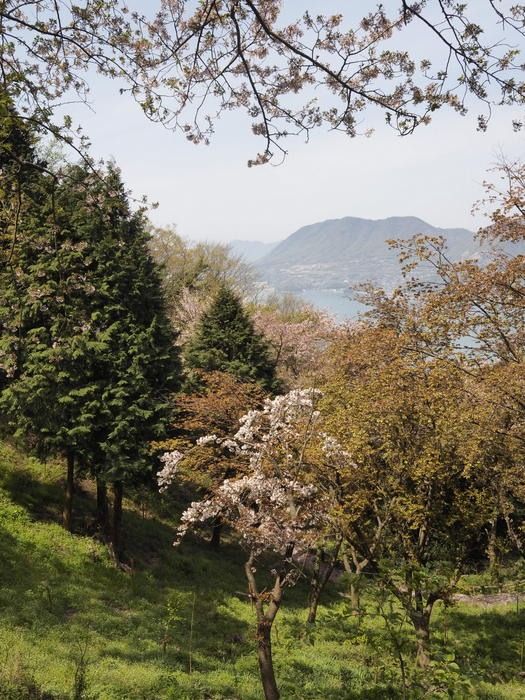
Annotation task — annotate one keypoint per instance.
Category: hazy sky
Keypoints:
(208, 192)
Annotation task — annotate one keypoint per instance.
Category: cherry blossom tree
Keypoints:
(187, 63)
(278, 508)
(297, 333)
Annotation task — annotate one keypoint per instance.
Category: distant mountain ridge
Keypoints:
(251, 250)
(338, 253)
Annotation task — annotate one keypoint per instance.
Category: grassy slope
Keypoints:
(66, 613)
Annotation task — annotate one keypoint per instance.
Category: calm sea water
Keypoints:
(333, 302)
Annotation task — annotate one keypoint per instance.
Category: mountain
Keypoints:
(338, 253)
(251, 250)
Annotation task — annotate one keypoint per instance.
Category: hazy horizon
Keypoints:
(209, 193)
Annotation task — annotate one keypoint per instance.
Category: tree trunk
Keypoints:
(265, 621)
(421, 622)
(492, 551)
(215, 539)
(518, 543)
(116, 526)
(355, 597)
(315, 595)
(67, 513)
(316, 588)
(264, 651)
(320, 578)
(102, 508)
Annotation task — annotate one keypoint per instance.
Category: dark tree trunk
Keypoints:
(215, 539)
(421, 622)
(315, 595)
(265, 620)
(322, 572)
(116, 525)
(102, 508)
(317, 585)
(492, 550)
(264, 652)
(67, 514)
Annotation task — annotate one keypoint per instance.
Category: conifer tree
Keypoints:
(226, 341)
(86, 338)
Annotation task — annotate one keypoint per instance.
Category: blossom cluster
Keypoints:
(333, 450)
(166, 475)
(225, 443)
(268, 513)
(273, 504)
(284, 423)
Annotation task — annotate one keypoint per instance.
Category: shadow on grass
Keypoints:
(302, 682)
(490, 639)
(42, 500)
(54, 582)
(169, 603)
(42, 495)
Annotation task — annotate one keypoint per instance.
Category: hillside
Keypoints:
(75, 627)
(337, 253)
(176, 624)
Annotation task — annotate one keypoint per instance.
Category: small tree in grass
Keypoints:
(413, 509)
(275, 509)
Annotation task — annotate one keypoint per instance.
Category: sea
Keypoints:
(335, 302)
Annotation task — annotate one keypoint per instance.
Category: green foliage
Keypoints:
(71, 621)
(194, 272)
(225, 340)
(86, 347)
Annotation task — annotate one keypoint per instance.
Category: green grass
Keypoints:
(177, 625)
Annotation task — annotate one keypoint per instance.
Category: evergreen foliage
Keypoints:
(226, 341)
(192, 273)
(22, 189)
(86, 346)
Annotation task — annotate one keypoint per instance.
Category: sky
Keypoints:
(209, 193)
